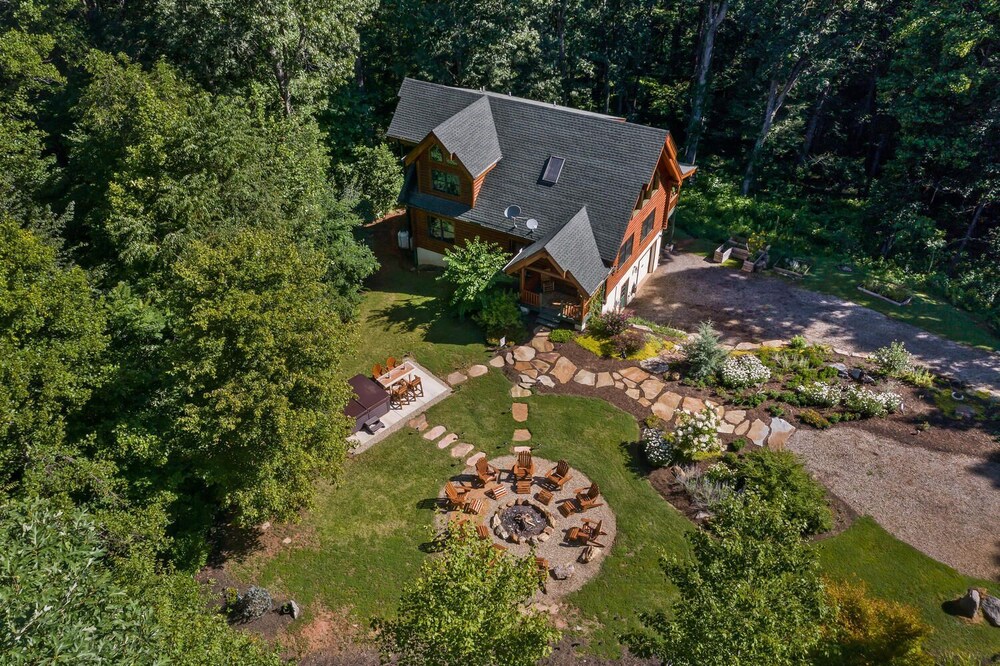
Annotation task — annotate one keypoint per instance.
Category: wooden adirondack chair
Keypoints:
(485, 472)
(457, 496)
(524, 468)
(559, 475)
(376, 371)
(390, 363)
(588, 497)
(593, 532)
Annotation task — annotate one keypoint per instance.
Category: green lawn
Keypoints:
(893, 570)
(405, 311)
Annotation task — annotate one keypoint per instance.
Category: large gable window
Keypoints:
(442, 230)
(647, 224)
(626, 251)
(437, 155)
(446, 182)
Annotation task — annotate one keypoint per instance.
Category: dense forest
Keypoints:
(180, 187)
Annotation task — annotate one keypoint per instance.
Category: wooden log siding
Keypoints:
(657, 202)
(464, 232)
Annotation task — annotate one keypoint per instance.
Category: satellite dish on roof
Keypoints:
(532, 224)
(512, 212)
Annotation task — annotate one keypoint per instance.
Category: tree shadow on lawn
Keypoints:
(635, 460)
(436, 322)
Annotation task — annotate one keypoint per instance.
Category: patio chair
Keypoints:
(457, 496)
(390, 363)
(559, 475)
(592, 530)
(483, 532)
(399, 394)
(377, 371)
(485, 472)
(415, 386)
(587, 497)
(524, 468)
(542, 567)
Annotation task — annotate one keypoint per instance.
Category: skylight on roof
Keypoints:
(553, 168)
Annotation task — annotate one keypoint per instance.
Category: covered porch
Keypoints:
(546, 292)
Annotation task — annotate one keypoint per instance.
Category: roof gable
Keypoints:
(574, 250)
(471, 136)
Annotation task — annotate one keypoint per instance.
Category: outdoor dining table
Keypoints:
(402, 371)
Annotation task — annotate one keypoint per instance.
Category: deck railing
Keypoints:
(530, 298)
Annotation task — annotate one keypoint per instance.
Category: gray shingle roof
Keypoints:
(607, 161)
(471, 136)
(573, 247)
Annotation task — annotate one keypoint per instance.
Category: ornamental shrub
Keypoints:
(705, 491)
(659, 452)
(696, 435)
(609, 324)
(744, 371)
(561, 335)
(499, 315)
(627, 343)
(870, 403)
(703, 353)
(894, 360)
(778, 476)
(819, 394)
(815, 419)
(798, 342)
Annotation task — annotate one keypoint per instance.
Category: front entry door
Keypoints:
(623, 297)
(650, 260)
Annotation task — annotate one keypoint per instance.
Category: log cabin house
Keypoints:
(591, 193)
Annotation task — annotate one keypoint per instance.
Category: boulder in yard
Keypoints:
(990, 606)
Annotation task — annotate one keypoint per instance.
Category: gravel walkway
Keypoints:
(687, 289)
(944, 504)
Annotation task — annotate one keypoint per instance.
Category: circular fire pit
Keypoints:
(523, 520)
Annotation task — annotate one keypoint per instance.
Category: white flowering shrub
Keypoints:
(819, 394)
(658, 449)
(871, 403)
(696, 435)
(893, 360)
(744, 371)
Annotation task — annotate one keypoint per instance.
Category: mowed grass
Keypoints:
(894, 570)
(407, 312)
(370, 528)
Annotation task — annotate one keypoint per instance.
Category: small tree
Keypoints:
(472, 270)
(500, 315)
(378, 179)
(750, 596)
(704, 354)
(467, 607)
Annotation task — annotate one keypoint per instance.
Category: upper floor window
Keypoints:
(626, 252)
(442, 230)
(446, 182)
(437, 155)
(647, 224)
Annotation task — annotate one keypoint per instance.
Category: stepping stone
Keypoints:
(645, 403)
(434, 432)
(496, 362)
(508, 358)
(633, 393)
(526, 380)
(521, 366)
(542, 344)
(447, 440)
(616, 375)
(455, 378)
(735, 416)
(523, 353)
(564, 369)
(693, 405)
(726, 428)
(620, 386)
(666, 405)
(418, 422)
(461, 450)
(519, 410)
(476, 457)
(773, 344)
(518, 392)
(541, 366)
(478, 370)
(747, 346)
(841, 352)
(521, 435)
(604, 379)
(545, 380)
(522, 449)
(742, 428)
(636, 374)
(629, 383)
(758, 432)
(585, 377)
(651, 388)
(530, 372)
(781, 431)
(548, 357)
(718, 409)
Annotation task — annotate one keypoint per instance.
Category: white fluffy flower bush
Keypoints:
(696, 435)
(659, 451)
(744, 371)
(871, 403)
(819, 394)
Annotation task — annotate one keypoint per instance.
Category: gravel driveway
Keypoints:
(944, 504)
(686, 289)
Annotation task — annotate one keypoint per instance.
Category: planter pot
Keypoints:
(788, 273)
(885, 298)
(722, 253)
(741, 253)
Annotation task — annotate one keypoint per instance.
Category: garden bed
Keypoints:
(889, 292)
(792, 267)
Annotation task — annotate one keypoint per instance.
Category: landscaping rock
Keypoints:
(604, 379)
(519, 411)
(781, 431)
(841, 352)
(742, 428)
(434, 432)
(418, 422)
(474, 458)
(693, 405)
(521, 366)
(455, 378)
(541, 366)
(523, 353)
(629, 383)
(990, 607)
(616, 375)
(655, 365)
(564, 369)
(545, 380)
(773, 344)
(620, 386)
(758, 432)
(747, 346)
(496, 361)
(461, 450)
(563, 571)
(968, 605)
(587, 554)
(521, 435)
(635, 374)
(735, 416)
(548, 357)
(666, 405)
(526, 380)
(840, 368)
(477, 370)
(633, 393)
(519, 392)
(651, 388)
(859, 375)
(585, 377)
(726, 428)
(508, 358)
(645, 402)
(292, 608)
(252, 604)
(542, 344)
(447, 441)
